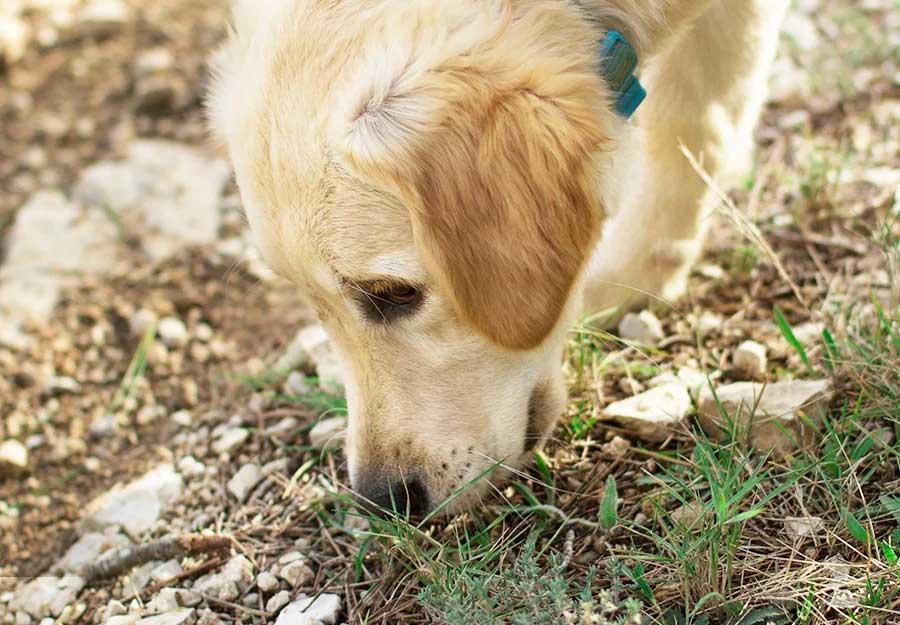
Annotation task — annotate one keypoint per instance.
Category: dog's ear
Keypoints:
(496, 164)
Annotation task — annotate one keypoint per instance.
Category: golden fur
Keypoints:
(469, 149)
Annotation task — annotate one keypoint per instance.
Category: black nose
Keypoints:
(385, 497)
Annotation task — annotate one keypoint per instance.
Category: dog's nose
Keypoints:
(404, 497)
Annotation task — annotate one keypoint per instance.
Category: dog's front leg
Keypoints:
(705, 92)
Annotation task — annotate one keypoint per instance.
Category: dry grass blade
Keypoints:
(744, 225)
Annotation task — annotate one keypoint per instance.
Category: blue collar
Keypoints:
(618, 60)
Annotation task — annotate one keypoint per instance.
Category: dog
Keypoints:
(450, 185)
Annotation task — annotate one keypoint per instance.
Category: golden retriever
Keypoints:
(450, 185)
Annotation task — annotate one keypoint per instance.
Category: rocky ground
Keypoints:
(171, 420)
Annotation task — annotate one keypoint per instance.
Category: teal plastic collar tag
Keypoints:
(618, 60)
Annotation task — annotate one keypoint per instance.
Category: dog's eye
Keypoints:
(385, 301)
(394, 293)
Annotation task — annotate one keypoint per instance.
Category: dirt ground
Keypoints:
(824, 194)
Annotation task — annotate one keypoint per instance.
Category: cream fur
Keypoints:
(469, 148)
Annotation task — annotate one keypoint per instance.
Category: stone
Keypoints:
(181, 616)
(323, 609)
(14, 36)
(137, 506)
(173, 332)
(182, 418)
(165, 193)
(803, 527)
(13, 454)
(45, 596)
(102, 18)
(52, 243)
(266, 582)
(191, 467)
(89, 548)
(653, 415)
(328, 434)
(750, 359)
(312, 347)
(122, 619)
(227, 585)
(166, 572)
(297, 385)
(284, 429)
(161, 93)
(244, 480)
(644, 328)
(171, 599)
(278, 601)
(296, 573)
(154, 61)
(141, 321)
(114, 608)
(773, 416)
(230, 440)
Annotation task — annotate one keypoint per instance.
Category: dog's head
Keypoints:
(427, 173)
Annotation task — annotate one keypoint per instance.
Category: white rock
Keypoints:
(172, 599)
(154, 61)
(707, 323)
(137, 506)
(168, 194)
(166, 572)
(244, 480)
(771, 414)
(14, 35)
(750, 359)
(122, 619)
(644, 328)
(47, 595)
(809, 334)
(803, 527)
(653, 415)
(13, 454)
(230, 440)
(52, 242)
(284, 428)
(296, 573)
(278, 601)
(311, 611)
(191, 467)
(89, 548)
(296, 385)
(266, 582)
(235, 577)
(328, 434)
(182, 616)
(141, 321)
(312, 346)
(173, 332)
(114, 608)
(182, 418)
(101, 18)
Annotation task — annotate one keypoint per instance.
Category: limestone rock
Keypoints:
(750, 359)
(644, 328)
(166, 193)
(89, 548)
(772, 414)
(13, 454)
(653, 415)
(137, 506)
(230, 440)
(323, 609)
(244, 480)
(328, 434)
(47, 596)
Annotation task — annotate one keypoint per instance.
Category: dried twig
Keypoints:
(123, 560)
